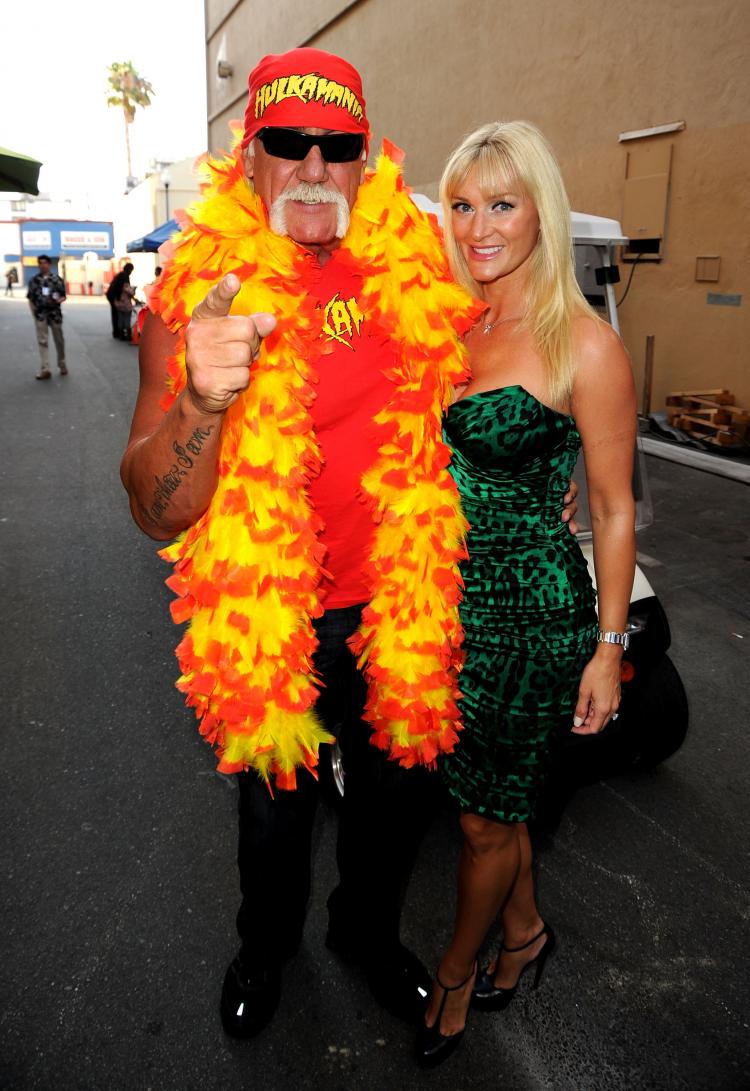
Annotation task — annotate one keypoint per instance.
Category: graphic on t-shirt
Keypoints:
(342, 319)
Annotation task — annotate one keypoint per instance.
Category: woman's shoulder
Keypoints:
(600, 356)
(591, 334)
(594, 341)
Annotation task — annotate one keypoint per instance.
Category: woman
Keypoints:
(548, 377)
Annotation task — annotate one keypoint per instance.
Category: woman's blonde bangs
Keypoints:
(492, 164)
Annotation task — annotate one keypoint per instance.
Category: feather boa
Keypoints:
(247, 571)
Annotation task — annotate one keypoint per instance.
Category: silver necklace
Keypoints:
(488, 327)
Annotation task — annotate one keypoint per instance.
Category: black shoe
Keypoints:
(399, 982)
(487, 996)
(249, 999)
(432, 1047)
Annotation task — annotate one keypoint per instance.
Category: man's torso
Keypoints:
(41, 291)
(352, 389)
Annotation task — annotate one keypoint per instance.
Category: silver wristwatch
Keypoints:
(613, 638)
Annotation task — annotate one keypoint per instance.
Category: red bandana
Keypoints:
(305, 88)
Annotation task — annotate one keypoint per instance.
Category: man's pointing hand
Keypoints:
(221, 347)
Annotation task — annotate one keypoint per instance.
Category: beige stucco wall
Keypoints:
(584, 72)
(243, 32)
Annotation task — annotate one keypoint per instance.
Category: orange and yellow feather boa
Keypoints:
(246, 573)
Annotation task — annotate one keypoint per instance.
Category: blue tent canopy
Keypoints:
(151, 242)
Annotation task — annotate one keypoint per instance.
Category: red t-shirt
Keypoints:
(352, 389)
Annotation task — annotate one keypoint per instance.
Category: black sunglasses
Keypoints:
(292, 144)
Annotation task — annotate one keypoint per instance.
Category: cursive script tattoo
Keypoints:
(168, 484)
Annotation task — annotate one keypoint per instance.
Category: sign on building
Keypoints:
(84, 240)
(36, 240)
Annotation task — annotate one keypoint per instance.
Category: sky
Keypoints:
(54, 62)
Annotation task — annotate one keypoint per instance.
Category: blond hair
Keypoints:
(516, 154)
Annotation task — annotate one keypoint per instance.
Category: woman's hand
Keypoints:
(599, 691)
(570, 508)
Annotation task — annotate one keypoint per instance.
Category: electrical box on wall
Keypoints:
(644, 206)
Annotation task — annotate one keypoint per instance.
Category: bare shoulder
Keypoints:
(600, 356)
(594, 337)
(603, 387)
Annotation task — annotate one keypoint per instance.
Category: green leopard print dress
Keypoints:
(528, 609)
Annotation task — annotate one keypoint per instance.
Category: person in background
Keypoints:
(114, 292)
(124, 307)
(548, 378)
(46, 295)
(143, 312)
(11, 278)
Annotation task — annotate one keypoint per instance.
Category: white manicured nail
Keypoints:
(578, 721)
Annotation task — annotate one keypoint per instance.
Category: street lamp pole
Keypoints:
(166, 179)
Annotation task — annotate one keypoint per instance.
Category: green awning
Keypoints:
(18, 173)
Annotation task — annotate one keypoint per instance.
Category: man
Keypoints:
(301, 450)
(120, 282)
(46, 294)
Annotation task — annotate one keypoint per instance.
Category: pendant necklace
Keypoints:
(488, 327)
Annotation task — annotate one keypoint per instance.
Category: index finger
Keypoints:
(218, 302)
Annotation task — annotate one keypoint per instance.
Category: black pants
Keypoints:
(114, 314)
(385, 812)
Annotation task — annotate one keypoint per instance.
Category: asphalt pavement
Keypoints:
(118, 837)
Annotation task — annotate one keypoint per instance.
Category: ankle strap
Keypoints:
(512, 950)
(452, 988)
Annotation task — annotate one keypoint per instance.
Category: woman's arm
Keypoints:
(604, 408)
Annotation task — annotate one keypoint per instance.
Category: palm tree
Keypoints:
(129, 90)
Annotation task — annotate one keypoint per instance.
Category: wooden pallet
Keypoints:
(709, 415)
(719, 394)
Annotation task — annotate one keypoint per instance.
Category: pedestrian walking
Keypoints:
(11, 278)
(45, 295)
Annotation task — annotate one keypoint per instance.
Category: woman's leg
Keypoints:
(488, 870)
(521, 920)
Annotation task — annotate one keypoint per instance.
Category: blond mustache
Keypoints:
(310, 193)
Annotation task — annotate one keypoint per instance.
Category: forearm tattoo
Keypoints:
(168, 484)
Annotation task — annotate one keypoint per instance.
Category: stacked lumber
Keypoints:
(710, 416)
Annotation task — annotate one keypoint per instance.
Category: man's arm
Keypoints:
(169, 468)
(30, 294)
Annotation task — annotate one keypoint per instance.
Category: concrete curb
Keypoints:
(699, 460)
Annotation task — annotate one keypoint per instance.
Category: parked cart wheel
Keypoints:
(658, 717)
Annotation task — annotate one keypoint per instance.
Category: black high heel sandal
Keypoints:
(486, 996)
(432, 1047)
